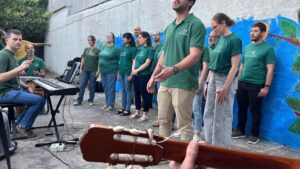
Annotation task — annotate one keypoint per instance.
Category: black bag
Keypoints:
(99, 87)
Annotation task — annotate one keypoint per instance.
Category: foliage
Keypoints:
(29, 16)
(288, 28)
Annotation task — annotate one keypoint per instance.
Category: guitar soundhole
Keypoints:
(134, 158)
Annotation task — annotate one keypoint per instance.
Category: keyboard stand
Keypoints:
(53, 113)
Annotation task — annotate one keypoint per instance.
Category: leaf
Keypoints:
(296, 65)
(295, 128)
(294, 103)
(288, 28)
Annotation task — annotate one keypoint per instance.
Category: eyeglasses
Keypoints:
(109, 37)
(155, 34)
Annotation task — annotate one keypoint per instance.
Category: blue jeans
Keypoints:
(86, 76)
(109, 86)
(35, 104)
(126, 91)
(197, 111)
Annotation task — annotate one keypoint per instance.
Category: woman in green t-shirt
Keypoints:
(109, 66)
(221, 82)
(125, 65)
(141, 72)
(88, 69)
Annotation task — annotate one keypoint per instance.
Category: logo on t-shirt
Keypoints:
(250, 54)
(184, 32)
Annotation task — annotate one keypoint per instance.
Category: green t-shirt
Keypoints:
(141, 57)
(109, 59)
(157, 53)
(255, 60)
(220, 57)
(91, 57)
(37, 64)
(204, 57)
(190, 33)
(126, 57)
(1, 46)
(8, 62)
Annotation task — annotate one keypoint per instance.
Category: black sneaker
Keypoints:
(238, 134)
(253, 140)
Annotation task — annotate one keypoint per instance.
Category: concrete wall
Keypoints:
(281, 110)
(68, 33)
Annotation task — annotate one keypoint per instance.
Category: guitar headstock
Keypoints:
(118, 145)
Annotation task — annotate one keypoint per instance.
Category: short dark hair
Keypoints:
(146, 35)
(12, 31)
(261, 26)
(92, 38)
(194, 1)
(220, 17)
(129, 36)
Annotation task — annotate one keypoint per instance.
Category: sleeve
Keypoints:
(133, 53)
(42, 65)
(150, 54)
(236, 47)
(84, 51)
(205, 54)
(4, 60)
(198, 32)
(165, 40)
(271, 59)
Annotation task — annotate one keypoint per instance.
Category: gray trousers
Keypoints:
(218, 116)
(6, 124)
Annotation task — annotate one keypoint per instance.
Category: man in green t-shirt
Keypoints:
(176, 70)
(37, 67)
(255, 78)
(10, 84)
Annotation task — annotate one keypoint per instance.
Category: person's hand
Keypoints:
(189, 161)
(97, 75)
(165, 73)
(199, 88)
(150, 85)
(119, 77)
(22, 73)
(263, 92)
(222, 94)
(134, 72)
(205, 90)
(48, 44)
(80, 71)
(24, 65)
(130, 77)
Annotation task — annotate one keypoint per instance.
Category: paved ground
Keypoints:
(77, 120)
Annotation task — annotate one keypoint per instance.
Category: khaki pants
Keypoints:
(180, 101)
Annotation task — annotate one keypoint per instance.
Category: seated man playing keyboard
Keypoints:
(10, 91)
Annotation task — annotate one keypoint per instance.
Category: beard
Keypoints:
(255, 39)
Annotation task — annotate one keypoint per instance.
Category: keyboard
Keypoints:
(56, 87)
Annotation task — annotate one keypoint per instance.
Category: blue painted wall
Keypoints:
(278, 117)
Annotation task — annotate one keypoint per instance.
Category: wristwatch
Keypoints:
(175, 70)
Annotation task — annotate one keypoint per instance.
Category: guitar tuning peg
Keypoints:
(118, 129)
(111, 167)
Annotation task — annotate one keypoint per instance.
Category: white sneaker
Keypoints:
(136, 115)
(91, 103)
(143, 118)
(103, 107)
(196, 138)
(109, 108)
(176, 134)
(77, 103)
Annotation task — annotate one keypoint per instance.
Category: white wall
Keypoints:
(67, 34)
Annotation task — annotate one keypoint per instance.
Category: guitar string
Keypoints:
(171, 135)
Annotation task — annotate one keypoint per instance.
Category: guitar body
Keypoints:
(117, 145)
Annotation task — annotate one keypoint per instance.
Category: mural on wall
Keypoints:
(281, 107)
